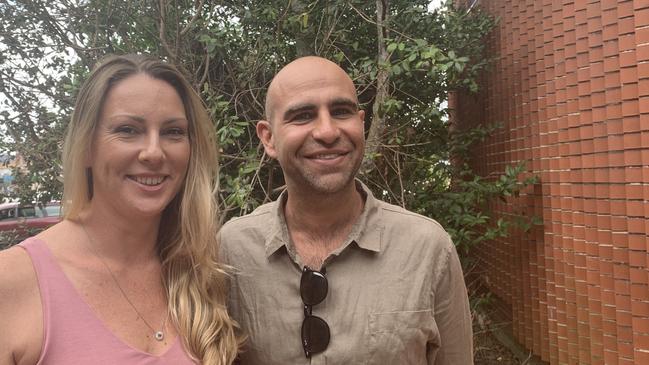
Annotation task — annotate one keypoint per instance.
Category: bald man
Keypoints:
(328, 274)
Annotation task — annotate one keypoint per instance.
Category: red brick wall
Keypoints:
(570, 85)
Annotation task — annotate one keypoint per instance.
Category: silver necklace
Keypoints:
(158, 335)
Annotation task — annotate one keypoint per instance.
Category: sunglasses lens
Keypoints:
(315, 334)
(313, 287)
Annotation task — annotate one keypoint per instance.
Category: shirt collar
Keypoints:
(367, 232)
(278, 235)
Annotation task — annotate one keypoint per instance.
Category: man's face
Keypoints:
(316, 130)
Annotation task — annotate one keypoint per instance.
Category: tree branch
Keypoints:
(382, 85)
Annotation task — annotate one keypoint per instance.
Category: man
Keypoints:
(328, 274)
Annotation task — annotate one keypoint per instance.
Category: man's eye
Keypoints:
(341, 112)
(303, 116)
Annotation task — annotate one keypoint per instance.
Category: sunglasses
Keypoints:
(315, 331)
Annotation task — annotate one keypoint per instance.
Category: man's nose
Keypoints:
(326, 128)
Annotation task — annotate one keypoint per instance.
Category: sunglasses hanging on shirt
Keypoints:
(315, 331)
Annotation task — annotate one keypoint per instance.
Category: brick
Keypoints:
(634, 191)
(609, 16)
(630, 108)
(644, 104)
(640, 4)
(637, 275)
(631, 124)
(641, 324)
(642, 35)
(632, 141)
(643, 70)
(642, 52)
(628, 75)
(610, 48)
(612, 79)
(641, 356)
(608, 4)
(611, 63)
(639, 291)
(626, 26)
(625, 9)
(637, 241)
(641, 18)
(635, 208)
(629, 91)
(610, 32)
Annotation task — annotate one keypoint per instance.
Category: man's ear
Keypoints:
(361, 115)
(265, 134)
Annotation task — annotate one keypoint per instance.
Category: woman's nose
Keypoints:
(151, 151)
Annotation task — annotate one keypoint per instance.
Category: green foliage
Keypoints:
(14, 236)
(230, 52)
(9, 238)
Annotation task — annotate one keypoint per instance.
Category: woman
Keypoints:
(129, 276)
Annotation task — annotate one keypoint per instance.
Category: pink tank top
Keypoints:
(72, 333)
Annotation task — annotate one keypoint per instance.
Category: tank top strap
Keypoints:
(50, 278)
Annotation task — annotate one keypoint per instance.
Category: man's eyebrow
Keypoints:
(344, 102)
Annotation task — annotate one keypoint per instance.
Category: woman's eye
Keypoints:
(126, 129)
(176, 132)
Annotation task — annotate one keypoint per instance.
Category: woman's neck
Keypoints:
(120, 238)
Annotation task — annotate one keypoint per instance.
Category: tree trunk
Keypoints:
(302, 47)
(382, 87)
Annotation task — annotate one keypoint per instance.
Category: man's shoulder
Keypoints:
(422, 234)
(243, 239)
(249, 229)
(257, 217)
(396, 215)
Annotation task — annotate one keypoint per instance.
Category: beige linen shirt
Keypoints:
(396, 290)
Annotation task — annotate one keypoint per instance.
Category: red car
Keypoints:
(18, 222)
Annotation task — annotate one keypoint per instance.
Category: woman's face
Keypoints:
(140, 149)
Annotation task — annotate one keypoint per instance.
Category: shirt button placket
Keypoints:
(318, 359)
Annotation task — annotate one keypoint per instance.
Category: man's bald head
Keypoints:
(300, 71)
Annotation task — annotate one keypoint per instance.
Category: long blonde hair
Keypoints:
(187, 245)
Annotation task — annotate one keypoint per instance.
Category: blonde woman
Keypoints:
(130, 275)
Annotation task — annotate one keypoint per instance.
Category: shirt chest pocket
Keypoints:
(401, 337)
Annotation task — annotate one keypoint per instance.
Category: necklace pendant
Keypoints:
(159, 336)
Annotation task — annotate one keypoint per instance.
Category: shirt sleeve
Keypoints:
(452, 315)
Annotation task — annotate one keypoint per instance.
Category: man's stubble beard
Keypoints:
(327, 184)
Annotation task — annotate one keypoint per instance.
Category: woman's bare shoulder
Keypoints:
(20, 308)
(16, 273)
